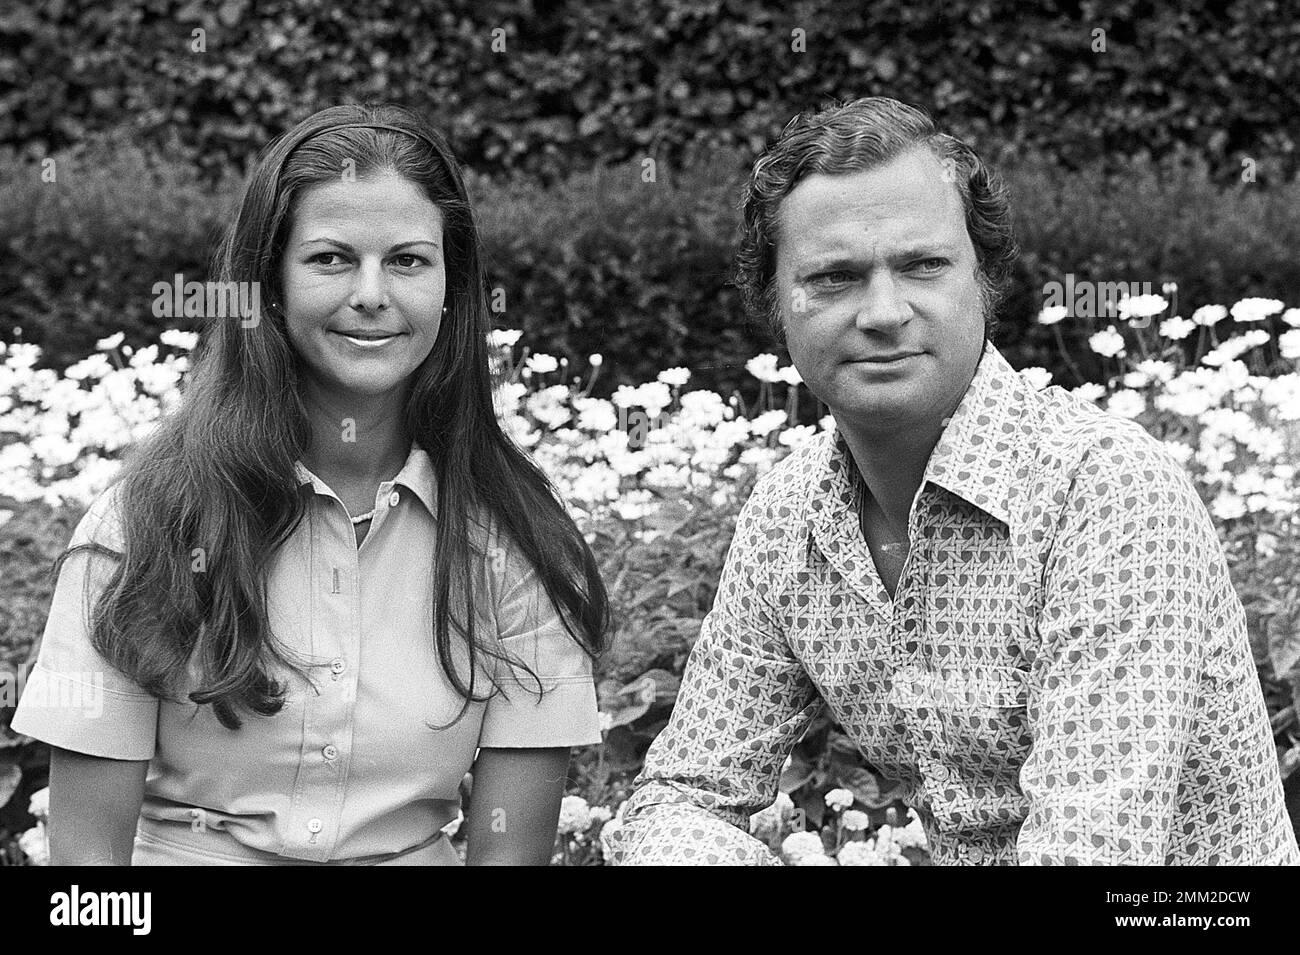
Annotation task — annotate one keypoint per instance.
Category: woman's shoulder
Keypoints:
(102, 522)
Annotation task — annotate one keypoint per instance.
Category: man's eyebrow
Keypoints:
(347, 248)
(829, 263)
(923, 250)
(844, 260)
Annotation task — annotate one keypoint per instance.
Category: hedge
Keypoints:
(546, 89)
(605, 262)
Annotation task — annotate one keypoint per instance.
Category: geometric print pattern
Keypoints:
(1061, 677)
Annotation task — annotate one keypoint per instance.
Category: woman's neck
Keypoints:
(356, 441)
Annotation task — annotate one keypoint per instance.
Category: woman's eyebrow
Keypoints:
(347, 248)
(406, 245)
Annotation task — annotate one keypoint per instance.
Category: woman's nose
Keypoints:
(370, 292)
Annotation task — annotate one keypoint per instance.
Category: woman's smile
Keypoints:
(369, 341)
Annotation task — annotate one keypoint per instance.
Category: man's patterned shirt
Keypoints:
(1062, 677)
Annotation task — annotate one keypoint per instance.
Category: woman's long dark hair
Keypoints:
(218, 474)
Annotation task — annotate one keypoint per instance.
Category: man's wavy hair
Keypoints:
(851, 137)
(219, 473)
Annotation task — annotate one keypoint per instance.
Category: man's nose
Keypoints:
(883, 305)
(370, 290)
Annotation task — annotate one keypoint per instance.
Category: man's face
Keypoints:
(873, 265)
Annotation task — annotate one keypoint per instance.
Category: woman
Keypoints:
(328, 579)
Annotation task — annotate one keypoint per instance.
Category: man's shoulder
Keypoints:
(1081, 437)
(1114, 468)
(781, 493)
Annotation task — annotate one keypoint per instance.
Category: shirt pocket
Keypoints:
(972, 717)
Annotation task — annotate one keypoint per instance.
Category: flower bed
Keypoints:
(655, 476)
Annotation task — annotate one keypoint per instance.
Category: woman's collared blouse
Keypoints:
(1063, 675)
(353, 769)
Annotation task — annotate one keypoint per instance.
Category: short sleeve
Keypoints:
(530, 629)
(72, 698)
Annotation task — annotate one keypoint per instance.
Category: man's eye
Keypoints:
(414, 260)
(930, 265)
(837, 277)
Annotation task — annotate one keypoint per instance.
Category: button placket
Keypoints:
(326, 728)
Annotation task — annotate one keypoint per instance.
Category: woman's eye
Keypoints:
(320, 258)
(408, 260)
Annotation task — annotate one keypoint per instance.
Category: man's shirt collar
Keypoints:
(975, 458)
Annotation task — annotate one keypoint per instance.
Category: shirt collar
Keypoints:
(975, 457)
(416, 474)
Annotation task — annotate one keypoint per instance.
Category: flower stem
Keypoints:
(1065, 353)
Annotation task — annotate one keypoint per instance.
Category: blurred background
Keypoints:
(1147, 142)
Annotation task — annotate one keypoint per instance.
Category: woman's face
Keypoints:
(363, 281)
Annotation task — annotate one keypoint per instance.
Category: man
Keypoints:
(1014, 603)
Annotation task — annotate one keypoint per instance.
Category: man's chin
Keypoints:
(893, 400)
(876, 416)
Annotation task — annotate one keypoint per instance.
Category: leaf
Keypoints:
(659, 684)
(811, 801)
(1284, 645)
(842, 748)
(631, 702)
(10, 776)
(871, 790)
(796, 774)
(622, 710)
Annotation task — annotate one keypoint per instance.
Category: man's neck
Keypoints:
(356, 442)
(892, 465)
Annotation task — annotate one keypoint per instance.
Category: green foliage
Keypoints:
(581, 82)
(1268, 582)
(636, 271)
(1142, 222)
(661, 586)
(81, 254)
(29, 543)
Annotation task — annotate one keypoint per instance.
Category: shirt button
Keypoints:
(337, 666)
(331, 751)
(393, 499)
(315, 825)
(976, 854)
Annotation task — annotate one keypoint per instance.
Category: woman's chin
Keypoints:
(355, 387)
